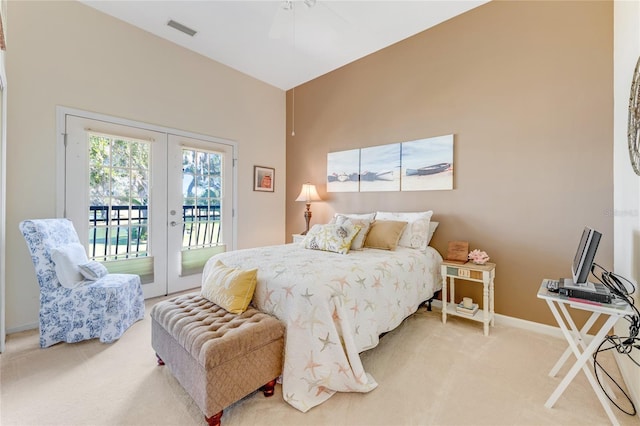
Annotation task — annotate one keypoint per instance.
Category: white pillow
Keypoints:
(432, 228)
(93, 270)
(67, 259)
(357, 216)
(365, 225)
(416, 234)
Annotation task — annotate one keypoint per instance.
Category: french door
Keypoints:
(148, 201)
(200, 204)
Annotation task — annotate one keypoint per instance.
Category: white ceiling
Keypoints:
(285, 48)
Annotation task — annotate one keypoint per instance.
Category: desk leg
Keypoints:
(581, 362)
(578, 337)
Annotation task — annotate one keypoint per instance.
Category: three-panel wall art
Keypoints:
(419, 165)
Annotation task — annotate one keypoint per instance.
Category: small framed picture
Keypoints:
(263, 178)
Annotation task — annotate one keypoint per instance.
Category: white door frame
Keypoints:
(3, 200)
(62, 112)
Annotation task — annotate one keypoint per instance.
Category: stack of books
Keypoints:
(467, 311)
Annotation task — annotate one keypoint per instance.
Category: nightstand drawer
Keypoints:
(461, 272)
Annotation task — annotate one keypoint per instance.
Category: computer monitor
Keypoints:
(583, 260)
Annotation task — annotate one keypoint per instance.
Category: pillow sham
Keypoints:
(229, 288)
(331, 237)
(66, 261)
(355, 216)
(432, 229)
(93, 270)
(385, 234)
(416, 234)
(365, 224)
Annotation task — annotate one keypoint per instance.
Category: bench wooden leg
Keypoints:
(269, 388)
(214, 420)
(160, 361)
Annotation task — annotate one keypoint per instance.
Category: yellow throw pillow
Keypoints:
(229, 288)
(384, 234)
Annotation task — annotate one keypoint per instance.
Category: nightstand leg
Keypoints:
(485, 307)
(444, 297)
(492, 299)
(452, 290)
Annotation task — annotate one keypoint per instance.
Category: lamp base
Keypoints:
(307, 218)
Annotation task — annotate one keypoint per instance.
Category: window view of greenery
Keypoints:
(118, 197)
(201, 191)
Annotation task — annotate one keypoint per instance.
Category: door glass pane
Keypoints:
(201, 193)
(119, 198)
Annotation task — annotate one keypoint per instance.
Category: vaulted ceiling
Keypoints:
(285, 43)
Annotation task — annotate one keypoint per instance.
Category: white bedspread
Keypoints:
(335, 306)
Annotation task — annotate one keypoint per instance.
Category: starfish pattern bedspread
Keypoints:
(335, 306)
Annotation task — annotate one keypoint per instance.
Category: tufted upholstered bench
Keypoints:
(218, 357)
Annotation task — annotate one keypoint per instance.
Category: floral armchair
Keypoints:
(105, 307)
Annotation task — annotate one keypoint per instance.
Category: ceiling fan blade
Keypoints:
(330, 15)
(282, 22)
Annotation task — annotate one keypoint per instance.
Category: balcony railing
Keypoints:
(126, 228)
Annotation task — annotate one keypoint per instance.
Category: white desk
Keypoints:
(577, 341)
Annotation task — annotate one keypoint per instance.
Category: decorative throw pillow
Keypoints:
(331, 237)
(416, 234)
(365, 225)
(93, 270)
(67, 259)
(229, 288)
(385, 234)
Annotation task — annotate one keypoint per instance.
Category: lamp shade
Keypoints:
(308, 193)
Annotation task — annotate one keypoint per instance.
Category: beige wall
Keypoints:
(526, 87)
(65, 53)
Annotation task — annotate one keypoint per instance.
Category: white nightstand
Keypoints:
(470, 272)
(297, 238)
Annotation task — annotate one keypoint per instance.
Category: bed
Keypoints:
(334, 307)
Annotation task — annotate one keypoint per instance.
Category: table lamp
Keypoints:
(308, 193)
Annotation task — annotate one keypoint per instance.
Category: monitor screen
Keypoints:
(586, 253)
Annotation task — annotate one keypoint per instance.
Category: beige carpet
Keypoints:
(428, 374)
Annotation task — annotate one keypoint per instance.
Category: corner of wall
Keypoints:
(626, 204)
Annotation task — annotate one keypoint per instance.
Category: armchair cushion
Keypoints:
(67, 260)
(93, 270)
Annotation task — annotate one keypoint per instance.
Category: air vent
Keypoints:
(182, 28)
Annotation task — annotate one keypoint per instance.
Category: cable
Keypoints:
(623, 345)
(615, 283)
(596, 364)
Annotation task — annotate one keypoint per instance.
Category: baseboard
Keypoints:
(24, 327)
(499, 319)
(520, 323)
